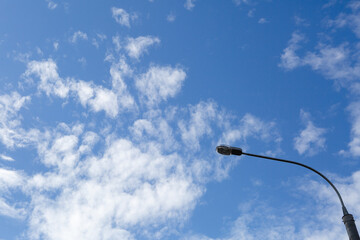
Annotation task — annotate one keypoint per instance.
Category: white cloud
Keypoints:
(289, 59)
(97, 97)
(101, 37)
(159, 83)
(171, 17)
(116, 42)
(251, 13)
(10, 104)
(51, 5)
(11, 133)
(118, 72)
(333, 62)
(201, 117)
(21, 57)
(300, 21)
(62, 152)
(205, 118)
(137, 46)
(189, 4)
(310, 140)
(50, 82)
(56, 46)
(108, 195)
(11, 211)
(82, 61)
(329, 3)
(239, 2)
(95, 43)
(351, 20)
(39, 51)
(122, 17)
(85, 91)
(10, 179)
(263, 20)
(354, 145)
(106, 100)
(155, 128)
(250, 126)
(78, 36)
(6, 158)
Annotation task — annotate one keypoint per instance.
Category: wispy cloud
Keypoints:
(249, 126)
(21, 57)
(117, 42)
(50, 81)
(11, 211)
(122, 17)
(11, 133)
(189, 4)
(289, 58)
(51, 4)
(135, 47)
(330, 3)
(300, 21)
(251, 13)
(99, 38)
(351, 20)
(202, 117)
(56, 46)
(354, 145)
(6, 158)
(159, 83)
(311, 140)
(332, 62)
(240, 2)
(155, 128)
(171, 17)
(339, 63)
(89, 94)
(78, 36)
(10, 179)
(263, 20)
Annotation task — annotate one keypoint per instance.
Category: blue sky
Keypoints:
(110, 112)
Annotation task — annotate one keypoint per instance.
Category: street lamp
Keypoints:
(348, 219)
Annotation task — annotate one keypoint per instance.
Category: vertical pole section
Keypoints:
(349, 222)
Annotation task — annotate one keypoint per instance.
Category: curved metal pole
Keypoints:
(305, 166)
(348, 219)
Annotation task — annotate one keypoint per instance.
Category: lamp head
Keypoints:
(223, 149)
(227, 150)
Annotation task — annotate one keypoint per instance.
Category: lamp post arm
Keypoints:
(348, 219)
(345, 212)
